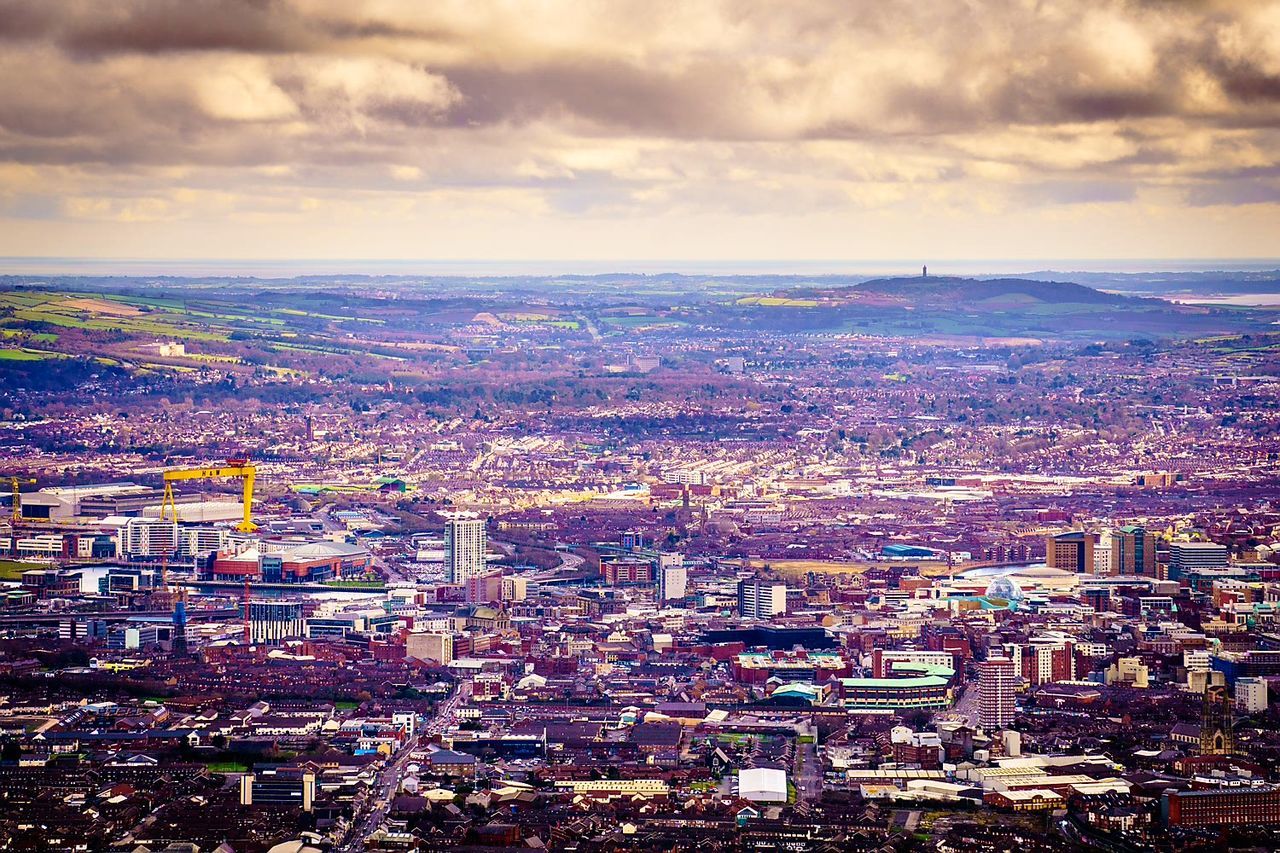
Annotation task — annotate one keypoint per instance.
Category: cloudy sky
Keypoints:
(580, 130)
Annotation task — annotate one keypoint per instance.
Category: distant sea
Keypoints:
(1248, 300)
(287, 268)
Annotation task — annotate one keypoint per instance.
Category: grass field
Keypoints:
(227, 767)
(355, 584)
(25, 355)
(778, 302)
(800, 567)
(11, 570)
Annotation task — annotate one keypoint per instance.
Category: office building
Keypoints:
(1071, 551)
(1102, 554)
(1187, 557)
(436, 648)
(283, 786)
(147, 537)
(335, 627)
(275, 621)
(1251, 695)
(1133, 552)
(464, 549)
(515, 589)
(760, 599)
(895, 694)
(202, 541)
(997, 681)
(673, 578)
(484, 588)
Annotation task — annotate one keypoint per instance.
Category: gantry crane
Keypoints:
(240, 468)
(17, 483)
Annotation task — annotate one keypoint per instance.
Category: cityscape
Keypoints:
(358, 493)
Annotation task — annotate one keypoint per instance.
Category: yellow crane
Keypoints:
(17, 483)
(235, 468)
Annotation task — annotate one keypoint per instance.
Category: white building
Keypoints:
(758, 599)
(464, 549)
(673, 578)
(1251, 694)
(41, 545)
(763, 785)
(1195, 660)
(997, 681)
(202, 541)
(684, 477)
(147, 537)
(1102, 555)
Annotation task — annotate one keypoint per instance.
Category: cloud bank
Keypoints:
(647, 129)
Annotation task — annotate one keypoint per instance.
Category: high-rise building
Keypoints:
(760, 599)
(997, 680)
(464, 549)
(1133, 552)
(274, 621)
(673, 578)
(1071, 551)
(1193, 556)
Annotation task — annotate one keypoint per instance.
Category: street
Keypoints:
(373, 809)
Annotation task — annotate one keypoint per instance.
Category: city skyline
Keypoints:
(609, 425)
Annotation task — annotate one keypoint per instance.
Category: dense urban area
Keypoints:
(640, 562)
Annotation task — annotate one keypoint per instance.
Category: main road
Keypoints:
(384, 789)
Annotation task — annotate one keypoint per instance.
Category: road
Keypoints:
(967, 706)
(808, 769)
(378, 801)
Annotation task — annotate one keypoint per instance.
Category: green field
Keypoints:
(355, 584)
(11, 570)
(26, 355)
(227, 767)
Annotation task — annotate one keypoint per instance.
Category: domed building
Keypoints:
(1005, 589)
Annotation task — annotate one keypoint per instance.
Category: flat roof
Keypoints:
(909, 682)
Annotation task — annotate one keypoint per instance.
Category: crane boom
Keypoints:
(242, 471)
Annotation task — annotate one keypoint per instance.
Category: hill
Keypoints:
(951, 290)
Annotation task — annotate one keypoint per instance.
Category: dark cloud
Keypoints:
(1251, 86)
(1080, 192)
(1234, 193)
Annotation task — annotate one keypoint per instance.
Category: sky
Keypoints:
(586, 132)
